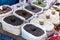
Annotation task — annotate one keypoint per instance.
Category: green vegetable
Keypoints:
(39, 4)
(39, 1)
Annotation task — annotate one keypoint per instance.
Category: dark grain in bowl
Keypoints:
(33, 30)
(24, 14)
(13, 20)
(5, 9)
(33, 8)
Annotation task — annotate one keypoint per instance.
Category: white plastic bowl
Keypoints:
(48, 26)
(29, 36)
(14, 31)
(5, 14)
(53, 18)
(46, 7)
(22, 16)
(34, 12)
(11, 28)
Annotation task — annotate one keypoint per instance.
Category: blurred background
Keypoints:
(8, 2)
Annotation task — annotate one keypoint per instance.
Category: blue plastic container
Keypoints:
(8, 2)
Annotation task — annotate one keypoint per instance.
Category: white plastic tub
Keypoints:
(11, 28)
(34, 12)
(47, 25)
(15, 31)
(53, 18)
(5, 14)
(57, 7)
(22, 16)
(48, 4)
(29, 36)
